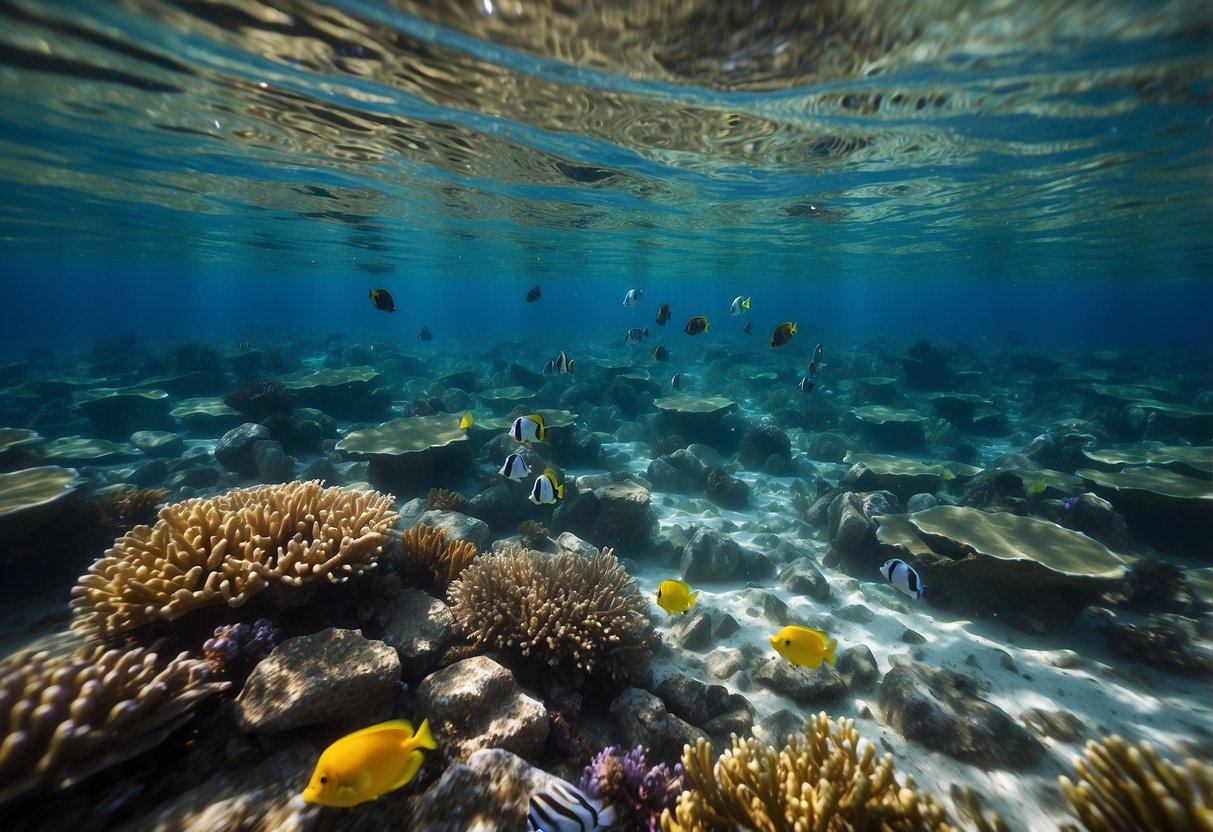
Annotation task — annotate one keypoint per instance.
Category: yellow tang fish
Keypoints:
(804, 646)
(1037, 487)
(368, 764)
(466, 421)
(675, 596)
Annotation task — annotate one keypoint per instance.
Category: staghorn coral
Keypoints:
(440, 499)
(66, 717)
(1124, 787)
(227, 549)
(821, 781)
(429, 558)
(639, 794)
(558, 609)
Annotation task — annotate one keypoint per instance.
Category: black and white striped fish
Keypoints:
(562, 807)
(635, 334)
(901, 575)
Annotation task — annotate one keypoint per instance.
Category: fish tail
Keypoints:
(746, 303)
(706, 327)
(423, 736)
(559, 490)
(571, 366)
(830, 648)
(691, 598)
(795, 325)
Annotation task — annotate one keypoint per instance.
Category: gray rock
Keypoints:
(802, 577)
(710, 556)
(777, 465)
(942, 710)
(569, 542)
(693, 631)
(272, 463)
(726, 490)
(608, 510)
(665, 477)
(488, 793)
(197, 476)
(754, 566)
(320, 468)
(849, 527)
(158, 444)
(496, 506)
(642, 719)
(858, 478)
(775, 609)
(723, 662)
(913, 637)
(921, 502)
(775, 728)
(827, 447)
(857, 613)
(475, 704)
(708, 456)
(420, 628)
(726, 625)
(459, 526)
(234, 450)
(858, 668)
(685, 697)
(148, 474)
(332, 675)
(876, 503)
(819, 686)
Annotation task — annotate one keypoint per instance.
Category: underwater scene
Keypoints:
(545, 415)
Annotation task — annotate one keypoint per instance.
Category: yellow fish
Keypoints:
(466, 421)
(368, 764)
(1037, 487)
(804, 646)
(675, 596)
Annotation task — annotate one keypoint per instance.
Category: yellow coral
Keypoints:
(66, 717)
(228, 548)
(430, 558)
(819, 782)
(558, 609)
(1123, 788)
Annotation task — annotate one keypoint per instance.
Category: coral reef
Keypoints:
(259, 399)
(227, 549)
(638, 793)
(236, 645)
(1123, 787)
(533, 533)
(823, 781)
(127, 507)
(561, 609)
(429, 559)
(440, 499)
(66, 717)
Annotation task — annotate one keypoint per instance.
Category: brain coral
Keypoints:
(557, 609)
(226, 549)
(65, 717)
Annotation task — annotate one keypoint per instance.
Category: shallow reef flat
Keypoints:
(219, 562)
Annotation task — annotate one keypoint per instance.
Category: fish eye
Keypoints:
(788, 642)
(324, 781)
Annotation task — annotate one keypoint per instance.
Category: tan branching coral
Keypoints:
(441, 499)
(1124, 787)
(63, 718)
(226, 549)
(821, 781)
(558, 609)
(533, 533)
(429, 558)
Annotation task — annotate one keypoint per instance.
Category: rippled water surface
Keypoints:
(989, 140)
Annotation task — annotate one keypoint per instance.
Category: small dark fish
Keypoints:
(425, 334)
(632, 298)
(243, 346)
(635, 334)
(676, 381)
(696, 325)
(660, 353)
(549, 369)
(382, 299)
(663, 314)
(563, 364)
(782, 334)
(817, 356)
(748, 329)
(805, 385)
(534, 294)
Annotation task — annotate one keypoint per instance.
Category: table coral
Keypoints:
(828, 779)
(562, 609)
(66, 717)
(226, 549)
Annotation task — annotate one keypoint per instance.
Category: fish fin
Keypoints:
(391, 725)
(707, 327)
(691, 599)
(830, 648)
(559, 491)
(371, 296)
(424, 738)
(794, 326)
(746, 303)
(824, 635)
(570, 365)
(411, 764)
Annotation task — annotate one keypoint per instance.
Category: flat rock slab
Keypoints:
(335, 675)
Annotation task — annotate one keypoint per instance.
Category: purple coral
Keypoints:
(638, 793)
(236, 643)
